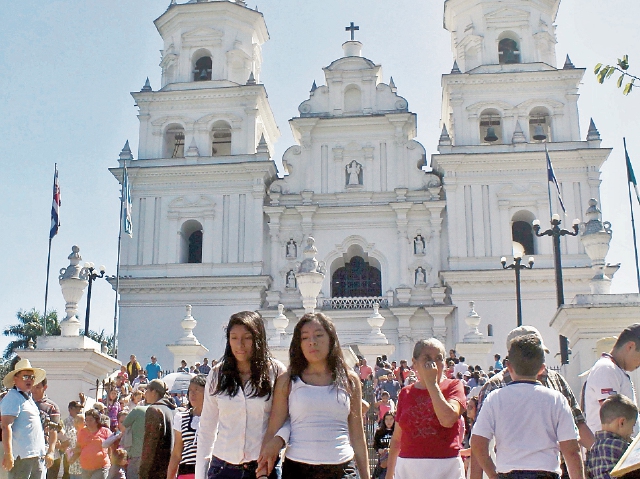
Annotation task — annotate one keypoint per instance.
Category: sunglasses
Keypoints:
(27, 377)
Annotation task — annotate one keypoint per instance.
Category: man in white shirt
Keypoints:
(530, 422)
(609, 375)
(461, 367)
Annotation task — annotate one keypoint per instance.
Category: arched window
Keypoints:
(539, 124)
(174, 142)
(490, 127)
(221, 139)
(356, 278)
(489, 329)
(508, 51)
(202, 69)
(352, 99)
(191, 243)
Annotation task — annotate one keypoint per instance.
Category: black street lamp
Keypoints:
(556, 232)
(517, 266)
(90, 273)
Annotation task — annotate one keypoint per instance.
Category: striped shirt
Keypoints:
(187, 424)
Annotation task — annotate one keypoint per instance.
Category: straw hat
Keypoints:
(24, 365)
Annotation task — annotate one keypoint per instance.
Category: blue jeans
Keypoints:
(219, 469)
(29, 468)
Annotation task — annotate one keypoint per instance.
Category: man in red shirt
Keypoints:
(365, 371)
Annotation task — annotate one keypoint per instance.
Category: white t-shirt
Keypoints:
(460, 368)
(528, 421)
(605, 378)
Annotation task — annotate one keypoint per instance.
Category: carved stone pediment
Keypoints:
(166, 120)
(184, 207)
(514, 192)
(202, 37)
(555, 106)
(507, 17)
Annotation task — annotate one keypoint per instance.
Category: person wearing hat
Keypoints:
(25, 451)
(548, 378)
(608, 376)
(158, 431)
(68, 428)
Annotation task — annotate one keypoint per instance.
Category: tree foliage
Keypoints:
(29, 327)
(604, 72)
(100, 338)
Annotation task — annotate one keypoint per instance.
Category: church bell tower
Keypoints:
(505, 100)
(200, 179)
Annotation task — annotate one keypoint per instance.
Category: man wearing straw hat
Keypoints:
(25, 452)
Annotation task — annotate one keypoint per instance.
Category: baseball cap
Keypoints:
(523, 330)
(158, 386)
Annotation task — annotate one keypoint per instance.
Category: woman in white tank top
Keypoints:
(321, 398)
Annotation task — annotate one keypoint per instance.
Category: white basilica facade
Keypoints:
(216, 227)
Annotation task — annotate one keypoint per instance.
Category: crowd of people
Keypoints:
(248, 416)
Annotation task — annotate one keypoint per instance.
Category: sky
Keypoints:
(67, 67)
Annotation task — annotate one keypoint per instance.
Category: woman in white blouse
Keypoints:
(237, 404)
(322, 398)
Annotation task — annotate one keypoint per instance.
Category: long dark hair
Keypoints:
(229, 381)
(335, 360)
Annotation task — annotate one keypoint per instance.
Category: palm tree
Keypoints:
(29, 327)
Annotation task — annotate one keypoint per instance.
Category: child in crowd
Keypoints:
(530, 422)
(618, 415)
(385, 405)
(118, 464)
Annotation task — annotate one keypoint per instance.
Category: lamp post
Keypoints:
(517, 266)
(91, 275)
(556, 232)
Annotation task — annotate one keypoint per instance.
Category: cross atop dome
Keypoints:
(353, 29)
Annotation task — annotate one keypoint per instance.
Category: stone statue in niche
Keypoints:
(291, 280)
(420, 276)
(354, 171)
(292, 249)
(418, 244)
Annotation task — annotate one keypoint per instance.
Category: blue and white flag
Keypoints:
(127, 224)
(551, 177)
(55, 206)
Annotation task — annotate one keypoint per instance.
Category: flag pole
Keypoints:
(46, 292)
(548, 185)
(633, 223)
(53, 230)
(115, 308)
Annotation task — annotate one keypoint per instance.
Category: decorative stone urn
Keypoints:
(73, 280)
(473, 321)
(188, 324)
(595, 238)
(187, 347)
(376, 321)
(310, 276)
